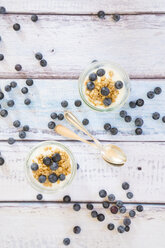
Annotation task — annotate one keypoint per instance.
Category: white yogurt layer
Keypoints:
(116, 77)
(41, 150)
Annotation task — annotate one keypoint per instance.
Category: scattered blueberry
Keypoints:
(139, 208)
(127, 228)
(62, 177)
(119, 204)
(27, 101)
(13, 84)
(93, 61)
(123, 113)
(132, 213)
(53, 178)
(89, 206)
(16, 26)
(122, 210)
(29, 82)
(18, 67)
(39, 197)
(114, 209)
(34, 18)
(100, 217)
(120, 229)
(76, 207)
(106, 204)
(54, 166)
(129, 195)
(140, 102)
(116, 17)
(85, 122)
(94, 214)
(90, 85)
(7, 88)
(3, 113)
(119, 85)
(102, 193)
(51, 125)
(163, 119)
(132, 104)
(105, 91)
(10, 103)
(56, 157)
(47, 161)
(22, 134)
(11, 141)
(76, 229)
(114, 130)
(64, 104)
(2, 161)
(2, 10)
(150, 94)
(43, 62)
(100, 72)
(38, 56)
(139, 122)
(1, 95)
(66, 198)
(107, 101)
(126, 221)
(78, 166)
(77, 103)
(107, 126)
(16, 123)
(125, 185)
(26, 128)
(34, 166)
(53, 115)
(157, 90)
(42, 179)
(1, 57)
(101, 14)
(138, 131)
(111, 197)
(111, 226)
(24, 90)
(66, 241)
(60, 117)
(155, 115)
(92, 76)
(128, 118)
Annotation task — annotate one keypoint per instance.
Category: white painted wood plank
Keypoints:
(70, 43)
(83, 6)
(94, 174)
(46, 96)
(44, 225)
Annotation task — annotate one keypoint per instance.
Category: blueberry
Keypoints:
(123, 113)
(78, 166)
(53, 178)
(38, 56)
(26, 128)
(132, 104)
(22, 134)
(54, 166)
(1, 57)
(119, 204)
(90, 85)
(66, 198)
(105, 91)
(106, 204)
(24, 90)
(34, 18)
(64, 104)
(18, 67)
(29, 82)
(56, 157)
(93, 61)
(107, 101)
(94, 214)
(120, 229)
(16, 123)
(10, 103)
(127, 228)
(114, 130)
(92, 76)
(126, 221)
(102, 193)
(47, 161)
(89, 206)
(116, 17)
(53, 115)
(34, 166)
(66, 241)
(51, 125)
(3, 113)
(139, 208)
(42, 179)
(62, 177)
(2, 161)
(76, 207)
(101, 14)
(163, 119)
(139, 122)
(125, 185)
(132, 213)
(43, 62)
(128, 118)
(76, 229)
(39, 197)
(110, 226)
(2, 10)
(85, 122)
(77, 103)
(11, 141)
(60, 117)
(27, 101)
(138, 131)
(111, 197)
(129, 195)
(16, 26)
(140, 102)
(150, 94)
(155, 115)
(100, 217)
(100, 72)
(118, 85)
(1, 95)
(114, 209)
(122, 210)
(107, 126)
(13, 84)
(157, 90)
(7, 88)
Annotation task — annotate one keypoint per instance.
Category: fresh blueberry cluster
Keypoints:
(101, 15)
(113, 130)
(39, 57)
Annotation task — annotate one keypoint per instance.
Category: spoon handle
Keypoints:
(76, 123)
(66, 132)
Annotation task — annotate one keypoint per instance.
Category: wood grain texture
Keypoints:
(83, 6)
(43, 225)
(46, 96)
(94, 174)
(70, 43)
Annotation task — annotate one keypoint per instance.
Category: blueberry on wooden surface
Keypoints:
(100, 217)
(76, 229)
(62, 177)
(128, 118)
(127, 221)
(10, 103)
(66, 198)
(132, 213)
(53, 178)
(121, 229)
(3, 113)
(140, 102)
(24, 90)
(107, 126)
(125, 185)
(90, 86)
(110, 226)
(132, 104)
(113, 130)
(106, 204)
(77, 103)
(123, 113)
(13, 84)
(85, 122)
(1, 95)
(155, 116)
(34, 18)
(157, 90)
(38, 56)
(119, 204)
(26, 128)
(78, 166)
(122, 210)
(139, 122)
(39, 197)
(111, 197)
(138, 131)
(101, 14)
(51, 125)
(18, 67)
(118, 85)
(92, 76)
(107, 101)
(94, 214)
(1, 57)
(54, 166)
(11, 141)
(100, 72)
(43, 62)
(16, 26)
(105, 91)
(66, 241)
(16, 123)
(129, 195)
(2, 10)
(34, 166)
(102, 193)
(114, 209)
(53, 115)
(56, 157)
(150, 94)
(47, 161)
(42, 178)
(127, 228)
(29, 82)
(60, 117)
(2, 161)
(64, 104)
(139, 208)
(22, 134)
(163, 119)
(93, 61)
(76, 207)
(27, 101)
(7, 88)
(116, 17)
(89, 206)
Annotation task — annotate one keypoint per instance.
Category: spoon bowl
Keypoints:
(113, 155)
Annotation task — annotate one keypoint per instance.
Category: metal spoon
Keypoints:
(110, 153)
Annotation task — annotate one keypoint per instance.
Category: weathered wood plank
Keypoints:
(70, 43)
(83, 6)
(94, 174)
(43, 225)
(46, 96)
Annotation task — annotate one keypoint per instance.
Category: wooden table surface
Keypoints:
(70, 35)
